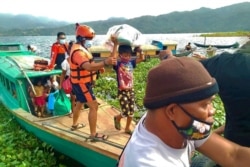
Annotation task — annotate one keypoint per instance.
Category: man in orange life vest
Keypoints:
(82, 74)
(59, 50)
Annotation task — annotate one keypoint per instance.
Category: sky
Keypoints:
(83, 11)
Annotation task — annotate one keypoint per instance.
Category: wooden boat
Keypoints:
(101, 52)
(183, 52)
(150, 50)
(234, 45)
(163, 45)
(15, 73)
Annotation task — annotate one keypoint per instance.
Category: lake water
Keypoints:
(44, 43)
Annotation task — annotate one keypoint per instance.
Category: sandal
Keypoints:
(130, 132)
(98, 137)
(117, 124)
(78, 126)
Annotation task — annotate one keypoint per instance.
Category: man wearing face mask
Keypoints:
(59, 51)
(82, 74)
(178, 97)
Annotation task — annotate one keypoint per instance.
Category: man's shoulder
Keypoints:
(55, 43)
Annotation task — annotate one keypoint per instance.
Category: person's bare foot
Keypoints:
(71, 115)
(130, 132)
(39, 114)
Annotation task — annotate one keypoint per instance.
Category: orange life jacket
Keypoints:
(78, 74)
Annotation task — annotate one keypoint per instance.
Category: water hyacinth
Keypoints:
(106, 88)
(20, 148)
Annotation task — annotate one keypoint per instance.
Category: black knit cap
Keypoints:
(178, 80)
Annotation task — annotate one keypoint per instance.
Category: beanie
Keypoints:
(178, 80)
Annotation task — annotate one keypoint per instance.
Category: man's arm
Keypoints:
(83, 61)
(225, 152)
(199, 56)
(220, 130)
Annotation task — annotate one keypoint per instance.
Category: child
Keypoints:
(39, 99)
(124, 71)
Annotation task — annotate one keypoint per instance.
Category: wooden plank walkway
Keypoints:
(60, 126)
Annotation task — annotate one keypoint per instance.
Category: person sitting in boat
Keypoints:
(59, 50)
(188, 46)
(32, 48)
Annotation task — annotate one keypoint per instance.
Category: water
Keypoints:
(44, 43)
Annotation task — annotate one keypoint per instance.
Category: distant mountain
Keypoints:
(226, 19)
(23, 21)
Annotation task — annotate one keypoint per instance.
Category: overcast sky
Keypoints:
(92, 10)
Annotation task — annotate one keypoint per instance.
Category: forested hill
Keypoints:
(225, 19)
(24, 21)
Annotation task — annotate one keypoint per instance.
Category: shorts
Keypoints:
(83, 92)
(39, 101)
(127, 102)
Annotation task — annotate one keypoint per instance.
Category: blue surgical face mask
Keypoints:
(197, 129)
(62, 41)
(88, 43)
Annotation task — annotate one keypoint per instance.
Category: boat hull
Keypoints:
(182, 53)
(81, 154)
(235, 45)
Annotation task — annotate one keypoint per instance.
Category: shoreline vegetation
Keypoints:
(227, 34)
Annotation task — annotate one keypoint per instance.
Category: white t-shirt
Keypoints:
(147, 150)
(65, 66)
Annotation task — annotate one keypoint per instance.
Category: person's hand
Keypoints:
(114, 60)
(138, 50)
(198, 56)
(110, 61)
(102, 70)
(113, 38)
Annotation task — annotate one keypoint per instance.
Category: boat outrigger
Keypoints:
(17, 74)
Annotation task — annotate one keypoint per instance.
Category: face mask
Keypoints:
(87, 44)
(124, 60)
(62, 41)
(197, 129)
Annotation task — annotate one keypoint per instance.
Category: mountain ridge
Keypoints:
(225, 19)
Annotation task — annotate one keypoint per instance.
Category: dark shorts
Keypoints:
(127, 102)
(83, 92)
